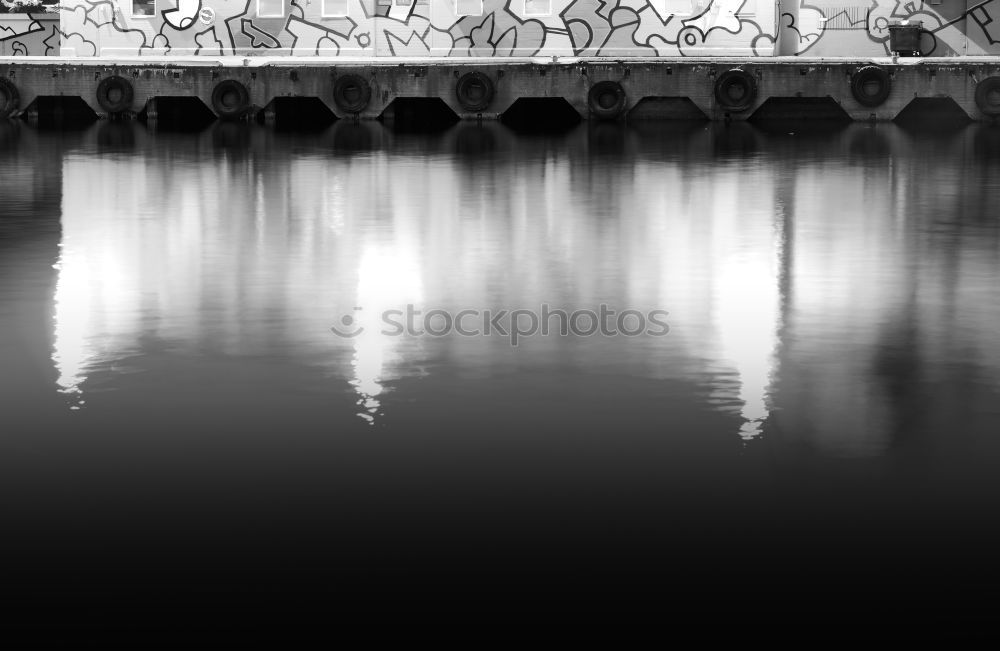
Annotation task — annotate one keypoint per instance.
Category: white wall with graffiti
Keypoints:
(833, 28)
(487, 28)
(29, 28)
(490, 28)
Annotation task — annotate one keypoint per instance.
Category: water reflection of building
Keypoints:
(30, 193)
(760, 250)
(247, 252)
(877, 329)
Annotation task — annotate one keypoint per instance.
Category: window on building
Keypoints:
(30, 7)
(143, 7)
(537, 7)
(382, 4)
(335, 8)
(678, 7)
(468, 7)
(270, 8)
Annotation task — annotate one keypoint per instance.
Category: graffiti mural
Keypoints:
(478, 28)
(28, 28)
(830, 28)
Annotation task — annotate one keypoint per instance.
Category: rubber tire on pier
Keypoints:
(607, 100)
(351, 93)
(741, 81)
(9, 97)
(988, 96)
(230, 99)
(862, 80)
(114, 94)
(474, 91)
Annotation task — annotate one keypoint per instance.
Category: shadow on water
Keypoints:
(981, 181)
(737, 139)
(299, 114)
(669, 139)
(801, 128)
(353, 135)
(66, 113)
(624, 140)
(474, 142)
(802, 113)
(541, 115)
(176, 115)
(232, 137)
(471, 139)
(937, 115)
(8, 136)
(661, 109)
(116, 136)
(986, 142)
(418, 115)
(870, 142)
(607, 139)
(31, 193)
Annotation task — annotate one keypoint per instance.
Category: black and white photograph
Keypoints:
(498, 321)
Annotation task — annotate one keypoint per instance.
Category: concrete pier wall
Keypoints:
(674, 85)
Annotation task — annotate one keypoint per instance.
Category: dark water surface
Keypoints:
(812, 449)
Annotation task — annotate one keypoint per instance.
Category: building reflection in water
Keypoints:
(30, 201)
(388, 279)
(747, 314)
(760, 249)
(71, 346)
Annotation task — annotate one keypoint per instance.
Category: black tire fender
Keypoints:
(867, 79)
(351, 93)
(10, 99)
(736, 90)
(988, 96)
(474, 91)
(230, 99)
(114, 94)
(607, 100)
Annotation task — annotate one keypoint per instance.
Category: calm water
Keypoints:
(817, 433)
